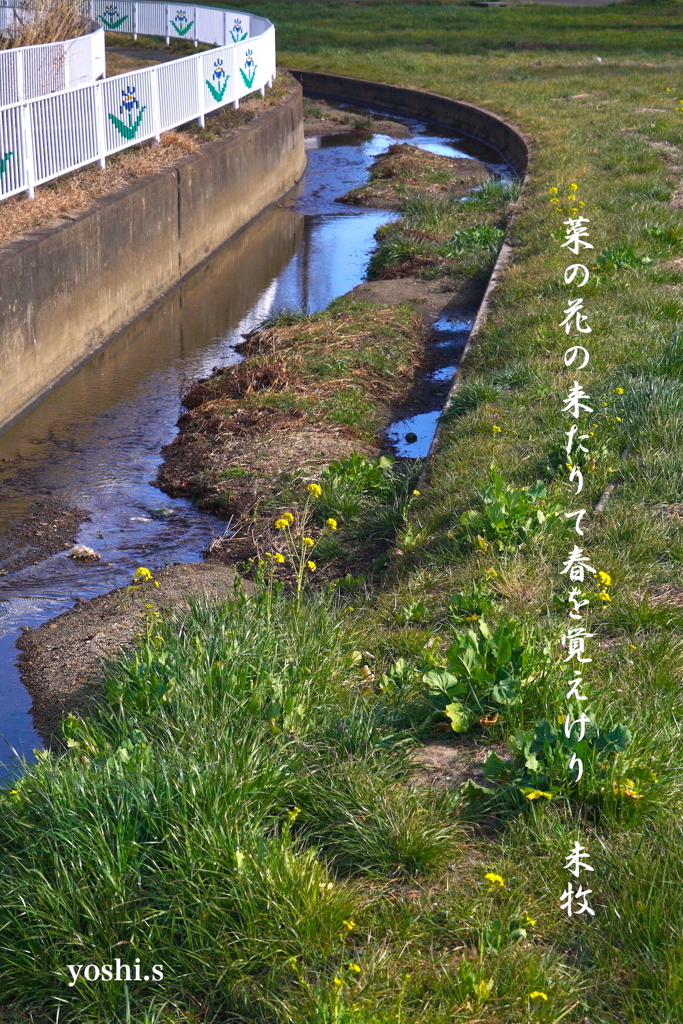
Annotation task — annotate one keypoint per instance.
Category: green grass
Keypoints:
(129, 845)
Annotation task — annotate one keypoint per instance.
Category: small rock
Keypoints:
(83, 553)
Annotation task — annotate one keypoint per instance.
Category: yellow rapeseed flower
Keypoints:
(573, 187)
(605, 579)
(279, 558)
(553, 189)
(356, 968)
(332, 523)
(308, 541)
(538, 995)
(142, 574)
(315, 489)
(350, 925)
(494, 879)
(529, 921)
(416, 493)
(337, 982)
(312, 566)
(496, 430)
(281, 524)
(604, 596)
(288, 516)
(619, 391)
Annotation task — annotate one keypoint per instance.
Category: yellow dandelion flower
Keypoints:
(332, 523)
(496, 430)
(337, 982)
(538, 995)
(288, 516)
(604, 596)
(312, 566)
(315, 489)
(619, 391)
(533, 794)
(280, 559)
(573, 187)
(494, 879)
(553, 189)
(308, 541)
(416, 493)
(618, 419)
(554, 200)
(281, 524)
(356, 968)
(349, 925)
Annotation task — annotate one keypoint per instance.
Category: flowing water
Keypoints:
(95, 441)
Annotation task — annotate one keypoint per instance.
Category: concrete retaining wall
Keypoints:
(66, 290)
(429, 106)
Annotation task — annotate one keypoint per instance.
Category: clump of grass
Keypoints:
(44, 21)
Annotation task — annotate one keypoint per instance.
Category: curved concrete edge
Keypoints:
(481, 124)
(495, 131)
(68, 289)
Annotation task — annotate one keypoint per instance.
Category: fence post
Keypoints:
(168, 19)
(225, 28)
(27, 135)
(199, 60)
(20, 76)
(67, 67)
(100, 127)
(135, 20)
(156, 118)
(194, 28)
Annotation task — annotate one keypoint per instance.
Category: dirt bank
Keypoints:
(60, 661)
(45, 528)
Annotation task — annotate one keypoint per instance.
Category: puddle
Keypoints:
(412, 437)
(95, 441)
(443, 373)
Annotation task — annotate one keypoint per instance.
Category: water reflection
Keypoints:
(95, 441)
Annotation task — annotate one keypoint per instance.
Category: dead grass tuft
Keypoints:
(45, 21)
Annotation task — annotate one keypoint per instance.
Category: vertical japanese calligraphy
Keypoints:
(574, 899)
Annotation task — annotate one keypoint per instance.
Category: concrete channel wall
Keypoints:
(427, 106)
(67, 290)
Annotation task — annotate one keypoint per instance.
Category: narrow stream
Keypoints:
(95, 441)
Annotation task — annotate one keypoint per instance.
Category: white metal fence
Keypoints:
(27, 72)
(42, 138)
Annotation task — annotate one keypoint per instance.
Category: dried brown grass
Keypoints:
(45, 21)
(75, 193)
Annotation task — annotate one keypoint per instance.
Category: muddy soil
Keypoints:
(405, 169)
(47, 527)
(60, 661)
(322, 119)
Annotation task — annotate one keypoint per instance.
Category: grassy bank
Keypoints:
(244, 812)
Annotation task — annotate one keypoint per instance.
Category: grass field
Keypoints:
(243, 810)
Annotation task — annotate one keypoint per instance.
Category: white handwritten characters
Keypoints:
(577, 565)
(573, 312)
(571, 355)
(573, 403)
(575, 860)
(576, 234)
(569, 896)
(570, 443)
(579, 514)
(572, 270)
